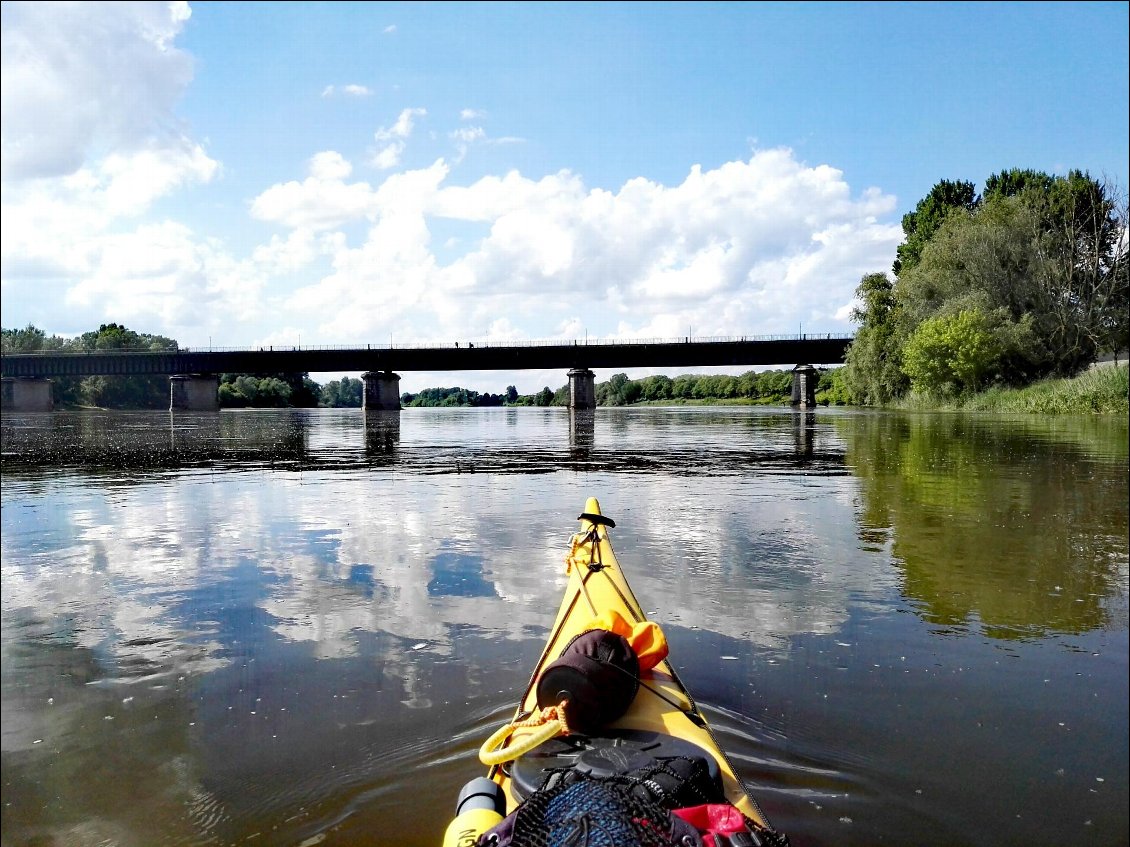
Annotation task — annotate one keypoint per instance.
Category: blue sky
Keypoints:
(323, 173)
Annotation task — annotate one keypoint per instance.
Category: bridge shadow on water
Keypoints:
(433, 441)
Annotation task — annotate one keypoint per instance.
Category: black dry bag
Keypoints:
(598, 673)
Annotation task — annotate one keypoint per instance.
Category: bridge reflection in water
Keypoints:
(112, 444)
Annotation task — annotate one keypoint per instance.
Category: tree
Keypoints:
(873, 370)
(919, 226)
(346, 392)
(682, 387)
(986, 262)
(656, 388)
(30, 339)
(775, 385)
(124, 392)
(951, 354)
(1050, 252)
(1014, 182)
(115, 336)
(618, 391)
(270, 390)
(451, 397)
(1085, 285)
(511, 394)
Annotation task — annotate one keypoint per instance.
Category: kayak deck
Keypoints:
(662, 703)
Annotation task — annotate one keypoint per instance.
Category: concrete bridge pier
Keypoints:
(26, 394)
(805, 378)
(582, 389)
(381, 391)
(194, 393)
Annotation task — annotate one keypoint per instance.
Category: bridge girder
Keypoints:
(737, 354)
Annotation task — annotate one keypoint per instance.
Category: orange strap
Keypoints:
(645, 637)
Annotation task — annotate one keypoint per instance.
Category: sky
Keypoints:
(316, 174)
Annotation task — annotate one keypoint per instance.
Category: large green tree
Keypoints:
(1039, 259)
(1046, 253)
(1087, 302)
(30, 339)
(933, 210)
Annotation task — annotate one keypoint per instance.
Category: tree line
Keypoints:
(1024, 281)
(763, 387)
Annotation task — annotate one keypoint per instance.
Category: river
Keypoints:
(296, 627)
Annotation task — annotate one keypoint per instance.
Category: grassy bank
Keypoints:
(1102, 390)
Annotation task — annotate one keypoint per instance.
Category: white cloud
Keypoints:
(387, 157)
(743, 249)
(329, 165)
(388, 30)
(287, 255)
(351, 90)
(60, 227)
(322, 201)
(90, 145)
(162, 275)
(81, 79)
(466, 135)
(403, 126)
(393, 139)
(471, 115)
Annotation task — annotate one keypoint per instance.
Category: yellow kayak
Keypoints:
(611, 715)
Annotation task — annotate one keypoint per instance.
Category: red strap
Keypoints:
(714, 818)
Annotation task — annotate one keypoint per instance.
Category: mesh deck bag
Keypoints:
(586, 811)
(577, 809)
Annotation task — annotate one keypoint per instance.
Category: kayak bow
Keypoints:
(660, 719)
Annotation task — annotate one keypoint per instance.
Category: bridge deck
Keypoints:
(659, 354)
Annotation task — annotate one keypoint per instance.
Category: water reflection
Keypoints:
(740, 439)
(804, 433)
(282, 626)
(382, 433)
(582, 432)
(995, 524)
(110, 441)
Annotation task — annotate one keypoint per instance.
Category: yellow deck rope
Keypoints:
(551, 722)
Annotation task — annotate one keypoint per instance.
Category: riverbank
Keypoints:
(1102, 390)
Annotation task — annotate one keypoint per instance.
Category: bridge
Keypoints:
(194, 373)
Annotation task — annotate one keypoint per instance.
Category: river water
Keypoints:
(296, 627)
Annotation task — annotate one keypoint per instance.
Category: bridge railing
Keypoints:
(435, 345)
